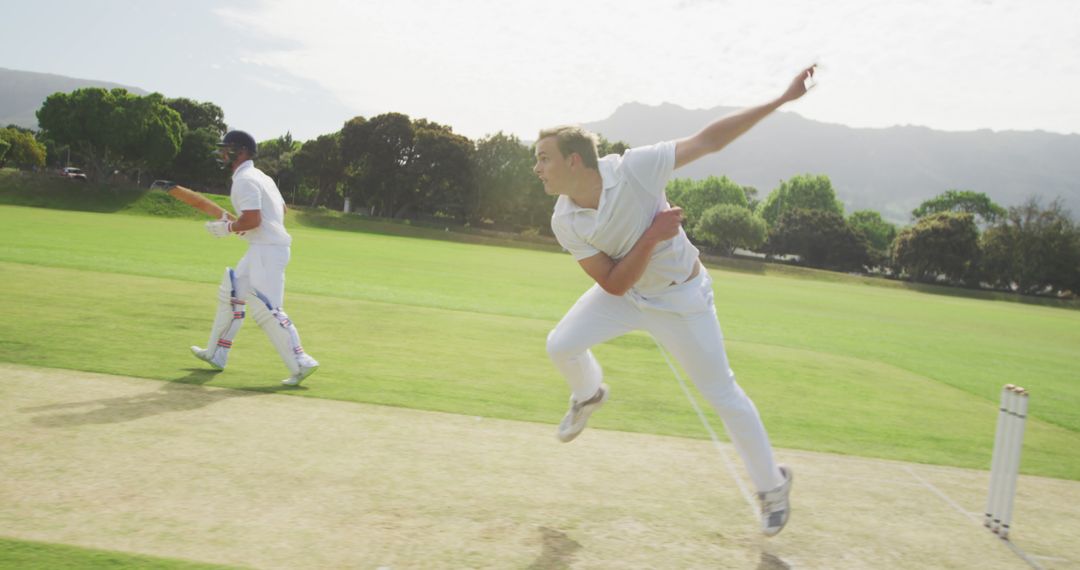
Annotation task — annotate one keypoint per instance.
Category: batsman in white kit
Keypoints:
(612, 215)
(258, 281)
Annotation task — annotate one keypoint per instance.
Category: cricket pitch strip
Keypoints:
(259, 480)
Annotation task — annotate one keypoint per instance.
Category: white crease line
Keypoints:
(1016, 549)
(943, 496)
(716, 440)
(1051, 558)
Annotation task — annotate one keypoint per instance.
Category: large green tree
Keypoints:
(879, 233)
(23, 150)
(728, 226)
(695, 197)
(319, 168)
(196, 163)
(198, 115)
(55, 154)
(820, 238)
(802, 192)
(677, 189)
(397, 167)
(508, 194)
(752, 200)
(605, 147)
(975, 203)
(945, 244)
(359, 171)
(1033, 249)
(152, 134)
(377, 153)
(274, 157)
(113, 129)
(442, 173)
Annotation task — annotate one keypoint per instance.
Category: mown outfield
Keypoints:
(445, 321)
(833, 363)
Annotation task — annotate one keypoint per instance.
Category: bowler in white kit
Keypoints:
(612, 215)
(258, 281)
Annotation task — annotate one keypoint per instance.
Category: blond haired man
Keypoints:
(613, 217)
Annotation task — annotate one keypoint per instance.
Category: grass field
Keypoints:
(28, 554)
(833, 364)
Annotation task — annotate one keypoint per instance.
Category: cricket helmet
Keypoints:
(239, 140)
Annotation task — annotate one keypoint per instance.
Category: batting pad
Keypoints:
(227, 321)
(281, 331)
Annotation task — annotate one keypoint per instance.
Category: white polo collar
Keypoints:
(608, 179)
(243, 166)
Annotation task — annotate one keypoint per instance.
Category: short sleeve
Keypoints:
(569, 239)
(651, 166)
(245, 195)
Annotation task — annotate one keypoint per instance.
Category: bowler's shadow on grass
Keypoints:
(557, 550)
(179, 395)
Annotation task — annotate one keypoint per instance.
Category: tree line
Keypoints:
(394, 166)
(959, 237)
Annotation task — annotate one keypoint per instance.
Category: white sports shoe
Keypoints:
(200, 353)
(308, 366)
(774, 505)
(574, 421)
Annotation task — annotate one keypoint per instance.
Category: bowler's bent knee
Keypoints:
(560, 348)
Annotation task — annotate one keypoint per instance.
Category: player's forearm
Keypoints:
(246, 222)
(721, 132)
(625, 272)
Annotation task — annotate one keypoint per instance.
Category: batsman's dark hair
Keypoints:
(571, 139)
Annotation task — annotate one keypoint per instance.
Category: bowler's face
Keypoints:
(552, 167)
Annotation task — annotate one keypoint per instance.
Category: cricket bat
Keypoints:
(197, 201)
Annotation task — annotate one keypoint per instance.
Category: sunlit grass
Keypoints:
(838, 366)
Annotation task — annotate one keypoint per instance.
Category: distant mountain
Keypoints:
(25, 91)
(890, 170)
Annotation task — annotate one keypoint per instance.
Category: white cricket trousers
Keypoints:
(263, 269)
(683, 320)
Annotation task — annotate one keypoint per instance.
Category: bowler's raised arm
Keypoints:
(719, 133)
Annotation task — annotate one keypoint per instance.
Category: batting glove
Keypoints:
(219, 228)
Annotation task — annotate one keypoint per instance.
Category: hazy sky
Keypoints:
(481, 66)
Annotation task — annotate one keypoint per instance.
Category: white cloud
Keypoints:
(482, 66)
(266, 83)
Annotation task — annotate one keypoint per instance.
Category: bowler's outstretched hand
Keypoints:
(802, 83)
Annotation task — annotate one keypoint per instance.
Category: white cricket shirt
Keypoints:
(632, 195)
(254, 190)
